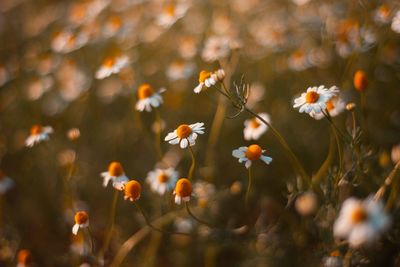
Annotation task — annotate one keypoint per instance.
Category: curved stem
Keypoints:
(248, 188)
(112, 220)
(194, 217)
(191, 170)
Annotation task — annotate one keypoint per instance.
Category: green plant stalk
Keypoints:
(394, 181)
(112, 221)
(248, 189)
(193, 165)
(326, 164)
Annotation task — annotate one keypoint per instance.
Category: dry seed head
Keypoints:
(253, 152)
(183, 188)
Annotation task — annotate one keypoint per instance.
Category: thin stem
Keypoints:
(393, 181)
(191, 170)
(112, 221)
(194, 217)
(248, 188)
(353, 116)
(89, 233)
(158, 133)
(289, 153)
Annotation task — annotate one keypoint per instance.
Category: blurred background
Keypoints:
(51, 59)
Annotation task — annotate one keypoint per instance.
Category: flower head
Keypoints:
(81, 221)
(183, 191)
(24, 258)
(6, 183)
(314, 100)
(111, 65)
(361, 221)
(38, 134)
(334, 106)
(148, 98)
(185, 134)
(208, 79)
(360, 81)
(249, 154)
(133, 190)
(115, 174)
(254, 128)
(162, 180)
(171, 14)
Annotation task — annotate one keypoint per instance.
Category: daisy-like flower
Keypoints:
(24, 258)
(81, 221)
(382, 14)
(315, 99)
(183, 191)
(6, 183)
(38, 134)
(396, 22)
(115, 174)
(161, 180)
(248, 154)
(147, 98)
(111, 65)
(208, 79)
(133, 190)
(334, 106)
(171, 14)
(185, 134)
(361, 221)
(254, 128)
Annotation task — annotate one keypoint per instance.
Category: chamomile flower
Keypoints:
(185, 134)
(81, 221)
(115, 174)
(111, 65)
(161, 180)
(334, 106)
(208, 79)
(361, 221)
(254, 128)
(315, 99)
(6, 183)
(147, 98)
(249, 154)
(183, 191)
(133, 189)
(171, 14)
(396, 22)
(38, 134)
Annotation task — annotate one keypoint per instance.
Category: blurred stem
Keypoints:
(89, 234)
(112, 221)
(1, 211)
(191, 170)
(393, 180)
(364, 112)
(187, 206)
(325, 165)
(248, 188)
(289, 153)
(158, 133)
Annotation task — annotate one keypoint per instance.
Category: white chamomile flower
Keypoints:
(111, 65)
(81, 221)
(185, 134)
(38, 134)
(171, 14)
(396, 22)
(115, 174)
(254, 128)
(208, 79)
(162, 180)
(147, 98)
(314, 100)
(248, 154)
(361, 222)
(6, 183)
(334, 106)
(183, 191)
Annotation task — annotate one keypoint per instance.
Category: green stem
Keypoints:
(89, 233)
(194, 217)
(325, 165)
(112, 221)
(191, 170)
(248, 188)
(393, 180)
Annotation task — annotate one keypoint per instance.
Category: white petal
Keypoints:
(248, 164)
(184, 143)
(266, 159)
(170, 136)
(75, 229)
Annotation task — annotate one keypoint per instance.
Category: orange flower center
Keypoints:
(183, 188)
(133, 189)
(384, 10)
(81, 217)
(170, 10)
(312, 97)
(145, 91)
(254, 123)
(109, 62)
(253, 152)
(335, 253)
(115, 169)
(36, 129)
(24, 257)
(183, 131)
(360, 81)
(163, 178)
(204, 75)
(359, 215)
(329, 105)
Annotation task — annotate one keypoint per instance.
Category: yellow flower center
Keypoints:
(81, 217)
(329, 105)
(36, 129)
(163, 178)
(133, 190)
(109, 62)
(183, 188)
(115, 169)
(24, 257)
(312, 97)
(145, 91)
(359, 215)
(253, 152)
(254, 123)
(204, 75)
(183, 131)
